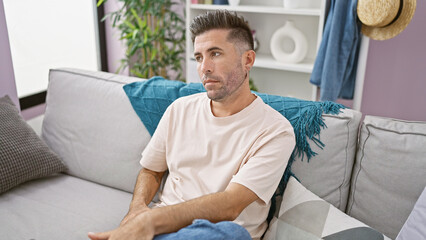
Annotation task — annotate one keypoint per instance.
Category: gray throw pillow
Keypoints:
(23, 155)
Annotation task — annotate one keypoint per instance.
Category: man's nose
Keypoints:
(207, 66)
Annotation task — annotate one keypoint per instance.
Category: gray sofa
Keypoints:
(374, 175)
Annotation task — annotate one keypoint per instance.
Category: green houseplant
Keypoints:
(154, 35)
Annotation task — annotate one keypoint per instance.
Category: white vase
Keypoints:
(289, 33)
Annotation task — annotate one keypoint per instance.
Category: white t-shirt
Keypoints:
(204, 153)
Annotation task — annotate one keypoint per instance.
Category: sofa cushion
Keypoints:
(304, 215)
(328, 174)
(23, 155)
(389, 173)
(91, 125)
(60, 207)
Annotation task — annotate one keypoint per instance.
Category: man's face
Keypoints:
(219, 64)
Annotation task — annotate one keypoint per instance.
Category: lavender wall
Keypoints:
(116, 48)
(395, 78)
(7, 77)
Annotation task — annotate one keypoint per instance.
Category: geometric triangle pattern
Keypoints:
(304, 215)
(355, 234)
(284, 229)
(314, 212)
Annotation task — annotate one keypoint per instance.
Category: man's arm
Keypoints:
(147, 185)
(222, 206)
(215, 207)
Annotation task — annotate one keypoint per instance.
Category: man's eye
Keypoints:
(198, 58)
(215, 54)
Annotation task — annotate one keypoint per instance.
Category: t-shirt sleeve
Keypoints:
(154, 154)
(265, 168)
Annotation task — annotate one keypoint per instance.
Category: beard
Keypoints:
(232, 82)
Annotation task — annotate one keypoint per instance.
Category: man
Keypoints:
(225, 150)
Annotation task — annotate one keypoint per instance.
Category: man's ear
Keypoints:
(248, 59)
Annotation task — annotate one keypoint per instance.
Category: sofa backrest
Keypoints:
(91, 125)
(328, 173)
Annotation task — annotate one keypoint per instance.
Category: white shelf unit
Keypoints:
(259, 9)
(269, 75)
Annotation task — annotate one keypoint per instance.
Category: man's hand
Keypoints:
(136, 224)
(133, 212)
(136, 228)
(99, 236)
(145, 223)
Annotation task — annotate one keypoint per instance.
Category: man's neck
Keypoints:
(233, 104)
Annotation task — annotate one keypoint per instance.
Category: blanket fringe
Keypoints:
(307, 125)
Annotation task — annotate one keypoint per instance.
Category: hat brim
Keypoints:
(387, 32)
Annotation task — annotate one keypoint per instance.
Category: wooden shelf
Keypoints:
(259, 9)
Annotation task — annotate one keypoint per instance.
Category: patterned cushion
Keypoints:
(23, 156)
(303, 215)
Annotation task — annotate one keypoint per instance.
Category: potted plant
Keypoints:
(154, 35)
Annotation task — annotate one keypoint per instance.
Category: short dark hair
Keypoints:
(223, 19)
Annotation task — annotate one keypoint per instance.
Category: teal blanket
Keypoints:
(152, 97)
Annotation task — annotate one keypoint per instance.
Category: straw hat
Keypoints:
(384, 19)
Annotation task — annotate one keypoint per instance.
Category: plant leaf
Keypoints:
(153, 54)
(138, 19)
(129, 24)
(135, 33)
(145, 37)
(100, 3)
